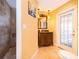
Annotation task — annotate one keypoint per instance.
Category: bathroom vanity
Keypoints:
(45, 39)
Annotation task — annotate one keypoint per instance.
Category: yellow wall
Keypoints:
(52, 26)
(52, 23)
(29, 31)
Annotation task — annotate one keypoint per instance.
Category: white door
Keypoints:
(68, 30)
(66, 21)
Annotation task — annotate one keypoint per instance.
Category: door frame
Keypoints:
(18, 30)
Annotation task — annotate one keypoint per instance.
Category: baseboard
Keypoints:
(34, 54)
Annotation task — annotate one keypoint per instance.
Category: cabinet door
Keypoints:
(45, 39)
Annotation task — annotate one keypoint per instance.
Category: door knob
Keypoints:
(73, 34)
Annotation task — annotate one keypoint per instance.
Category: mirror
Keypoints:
(42, 22)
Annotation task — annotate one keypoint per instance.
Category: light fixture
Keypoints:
(48, 14)
(38, 14)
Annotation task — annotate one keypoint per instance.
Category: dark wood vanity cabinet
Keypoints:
(45, 39)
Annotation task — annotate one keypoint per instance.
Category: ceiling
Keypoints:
(45, 5)
(12, 3)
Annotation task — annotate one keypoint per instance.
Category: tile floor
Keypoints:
(47, 53)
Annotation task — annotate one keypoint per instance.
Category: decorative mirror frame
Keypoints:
(39, 22)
